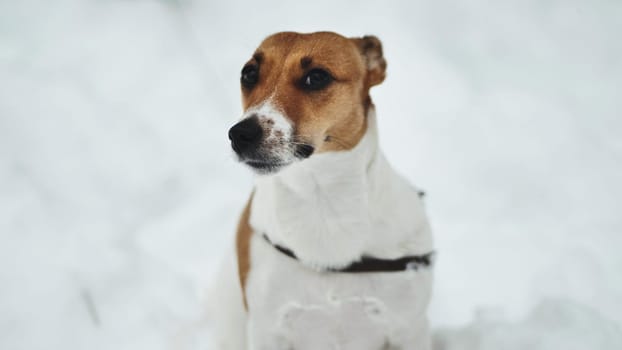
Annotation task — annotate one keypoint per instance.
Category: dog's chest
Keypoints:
(294, 307)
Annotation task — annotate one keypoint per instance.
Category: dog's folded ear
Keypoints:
(371, 50)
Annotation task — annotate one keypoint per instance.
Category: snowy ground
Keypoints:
(118, 194)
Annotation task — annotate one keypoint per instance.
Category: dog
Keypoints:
(333, 249)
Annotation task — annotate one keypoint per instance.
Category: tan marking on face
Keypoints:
(330, 119)
(243, 238)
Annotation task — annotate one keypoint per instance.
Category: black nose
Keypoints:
(245, 135)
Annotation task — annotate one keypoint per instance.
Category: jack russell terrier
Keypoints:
(333, 249)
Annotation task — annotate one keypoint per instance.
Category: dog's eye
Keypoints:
(316, 79)
(250, 76)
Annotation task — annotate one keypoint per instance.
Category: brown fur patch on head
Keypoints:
(332, 118)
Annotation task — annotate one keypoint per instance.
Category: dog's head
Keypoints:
(304, 94)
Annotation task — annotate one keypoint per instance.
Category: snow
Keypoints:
(119, 195)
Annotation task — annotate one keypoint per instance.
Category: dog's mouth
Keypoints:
(263, 163)
(265, 166)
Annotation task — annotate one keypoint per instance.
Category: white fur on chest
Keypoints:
(293, 307)
(331, 210)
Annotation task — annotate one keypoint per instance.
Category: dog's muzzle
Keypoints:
(263, 147)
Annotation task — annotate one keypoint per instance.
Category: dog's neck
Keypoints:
(334, 208)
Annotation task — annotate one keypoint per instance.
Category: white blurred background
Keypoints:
(119, 194)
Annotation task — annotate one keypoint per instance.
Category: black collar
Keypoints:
(370, 264)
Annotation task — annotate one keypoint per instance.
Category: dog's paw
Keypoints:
(351, 323)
